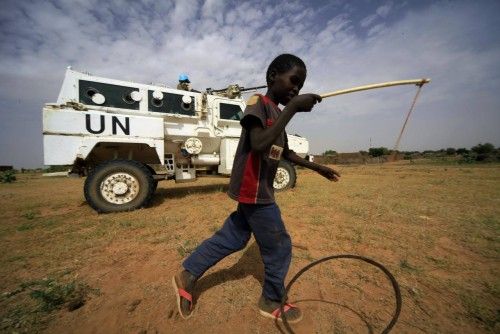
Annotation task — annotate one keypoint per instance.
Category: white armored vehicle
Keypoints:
(127, 136)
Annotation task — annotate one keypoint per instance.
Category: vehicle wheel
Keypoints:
(285, 176)
(119, 185)
(155, 181)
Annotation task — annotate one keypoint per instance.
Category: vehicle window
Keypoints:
(170, 103)
(230, 111)
(115, 96)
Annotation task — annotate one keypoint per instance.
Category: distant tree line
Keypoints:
(480, 153)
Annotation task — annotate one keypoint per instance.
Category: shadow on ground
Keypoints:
(164, 194)
(250, 264)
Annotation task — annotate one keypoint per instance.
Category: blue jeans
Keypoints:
(264, 221)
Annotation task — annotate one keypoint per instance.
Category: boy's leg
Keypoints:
(275, 246)
(232, 237)
(276, 250)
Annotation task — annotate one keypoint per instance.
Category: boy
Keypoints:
(262, 144)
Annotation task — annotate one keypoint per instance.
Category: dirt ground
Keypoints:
(66, 269)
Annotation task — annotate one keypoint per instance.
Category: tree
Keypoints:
(462, 151)
(451, 151)
(483, 148)
(378, 151)
(484, 152)
(8, 176)
(330, 152)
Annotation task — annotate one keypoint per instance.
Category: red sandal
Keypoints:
(185, 311)
(271, 309)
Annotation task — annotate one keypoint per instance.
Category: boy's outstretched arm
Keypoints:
(324, 171)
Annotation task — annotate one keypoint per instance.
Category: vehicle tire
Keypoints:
(286, 176)
(153, 173)
(119, 185)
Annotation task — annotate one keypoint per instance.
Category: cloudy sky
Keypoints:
(344, 43)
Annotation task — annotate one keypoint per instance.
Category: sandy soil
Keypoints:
(441, 245)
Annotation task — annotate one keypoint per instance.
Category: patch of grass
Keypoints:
(125, 224)
(25, 227)
(96, 233)
(105, 220)
(492, 222)
(318, 220)
(477, 309)
(339, 327)
(169, 220)
(159, 240)
(438, 182)
(133, 224)
(303, 254)
(20, 319)
(51, 294)
(358, 237)
(30, 215)
(49, 223)
(405, 264)
(16, 258)
(492, 288)
(32, 302)
(186, 248)
(356, 211)
(29, 307)
(439, 262)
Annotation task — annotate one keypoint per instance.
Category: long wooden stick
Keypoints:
(418, 82)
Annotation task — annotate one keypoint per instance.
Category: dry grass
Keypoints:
(436, 227)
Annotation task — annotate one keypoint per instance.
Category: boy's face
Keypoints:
(285, 86)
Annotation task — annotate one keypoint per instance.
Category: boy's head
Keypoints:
(285, 77)
(283, 63)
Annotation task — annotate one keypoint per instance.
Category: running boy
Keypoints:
(262, 144)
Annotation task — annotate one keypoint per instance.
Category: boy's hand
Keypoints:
(304, 102)
(329, 173)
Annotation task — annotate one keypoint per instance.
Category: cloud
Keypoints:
(376, 29)
(384, 10)
(380, 13)
(222, 42)
(367, 21)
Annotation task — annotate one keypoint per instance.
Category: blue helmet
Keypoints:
(183, 78)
